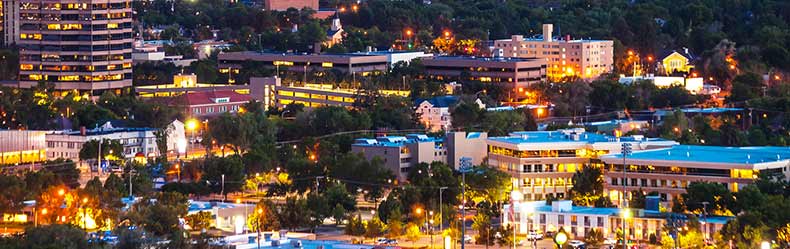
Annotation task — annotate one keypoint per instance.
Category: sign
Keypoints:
(465, 165)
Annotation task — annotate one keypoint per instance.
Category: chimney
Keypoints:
(82, 131)
(517, 38)
(547, 29)
(567, 38)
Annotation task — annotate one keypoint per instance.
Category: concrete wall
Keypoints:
(460, 145)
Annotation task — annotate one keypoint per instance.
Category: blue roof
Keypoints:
(712, 154)
(541, 206)
(440, 101)
(560, 136)
(396, 141)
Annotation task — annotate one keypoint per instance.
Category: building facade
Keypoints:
(434, 113)
(670, 170)
(586, 59)
(10, 20)
(273, 93)
(283, 5)
(577, 221)
(22, 146)
(512, 72)
(82, 45)
(352, 64)
(542, 163)
(67, 144)
(204, 104)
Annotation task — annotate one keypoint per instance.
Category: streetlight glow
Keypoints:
(192, 124)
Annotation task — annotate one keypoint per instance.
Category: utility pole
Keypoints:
(223, 188)
(626, 150)
(465, 167)
(441, 213)
(705, 219)
(130, 183)
(98, 157)
(316, 183)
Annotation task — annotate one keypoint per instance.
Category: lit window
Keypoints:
(112, 25)
(25, 67)
(72, 26)
(53, 26)
(327, 64)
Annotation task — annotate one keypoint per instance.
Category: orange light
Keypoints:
(355, 8)
(260, 210)
(312, 157)
(540, 112)
(630, 52)
(732, 67)
(238, 201)
(694, 75)
(776, 77)
(342, 9)
(650, 58)
(44, 211)
(408, 32)
(418, 211)
(447, 33)
(521, 89)
(61, 192)
(85, 200)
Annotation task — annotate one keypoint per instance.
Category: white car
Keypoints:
(468, 239)
(610, 242)
(381, 241)
(534, 235)
(576, 244)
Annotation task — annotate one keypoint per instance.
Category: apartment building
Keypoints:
(136, 141)
(565, 57)
(10, 20)
(670, 170)
(400, 153)
(205, 104)
(542, 163)
(577, 221)
(82, 45)
(513, 72)
(434, 113)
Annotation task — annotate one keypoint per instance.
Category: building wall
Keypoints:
(210, 110)
(10, 9)
(396, 159)
(460, 144)
(434, 118)
(57, 46)
(282, 5)
(22, 146)
(512, 73)
(67, 146)
(586, 59)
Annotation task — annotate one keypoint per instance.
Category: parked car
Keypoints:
(577, 244)
(534, 235)
(610, 242)
(468, 239)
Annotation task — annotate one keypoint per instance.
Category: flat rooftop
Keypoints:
(569, 136)
(484, 59)
(711, 154)
(540, 206)
(395, 141)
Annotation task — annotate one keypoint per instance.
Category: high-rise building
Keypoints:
(565, 57)
(80, 45)
(10, 19)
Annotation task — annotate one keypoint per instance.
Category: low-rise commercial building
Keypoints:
(356, 64)
(512, 72)
(542, 163)
(22, 146)
(136, 141)
(273, 93)
(669, 171)
(578, 221)
(400, 153)
(566, 57)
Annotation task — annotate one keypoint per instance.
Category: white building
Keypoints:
(394, 57)
(693, 85)
(577, 221)
(434, 113)
(67, 144)
(22, 146)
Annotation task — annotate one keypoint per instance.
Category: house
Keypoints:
(335, 34)
(212, 103)
(434, 113)
(674, 61)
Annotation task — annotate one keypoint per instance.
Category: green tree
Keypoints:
(264, 218)
(55, 236)
(199, 221)
(413, 232)
(745, 87)
(319, 209)
(230, 167)
(294, 214)
(14, 194)
(374, 228)
(482, 223)
(588, 187)
(395, 224)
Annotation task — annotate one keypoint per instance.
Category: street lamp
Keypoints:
(626, 214)
(191, 125)
(431, 227)
(515, 197)
(85, 214)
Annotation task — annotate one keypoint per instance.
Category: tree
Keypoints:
(338, 195)
(319, 209)
(264, 218)
(338, 213)
(230, 167)
(501, 123)
(294, 213)
(55, 236)
(719, 198)
(395, 224)
(14, 194)
(355, 226)
(482, 223)
(374, 228)
(745, 87)
(110, 150)
(587, 189)
(594, 237)
(413, 232)
(160, 217)
(64, 171)
(465, 114)
(199, 221)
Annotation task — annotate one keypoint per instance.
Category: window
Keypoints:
(561, 219)
(573, 220)
(223, 109)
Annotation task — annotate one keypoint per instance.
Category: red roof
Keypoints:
(211, 97)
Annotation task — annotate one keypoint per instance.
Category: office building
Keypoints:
(512, 72)
(350, 64)
(669, 171)
(542, 163)
(205, 104)
(22, 146)
(400, 153)
(85, 46)
(273, 93)
(10, 20)
(283, 5)
(565, 57)
(577, 221)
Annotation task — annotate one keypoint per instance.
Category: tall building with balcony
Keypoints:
(542, 163)
(81, 45)
(565, 57)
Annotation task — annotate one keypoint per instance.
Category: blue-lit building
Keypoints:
(670, 170)
(542, 163)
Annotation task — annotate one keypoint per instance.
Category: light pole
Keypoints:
(431, 227)
(626, 215)
(85, 214)
(441, 211)
(515, 197)
(222, 193)
(191, 125)
(258, 220)
(465, 167)
(626, 151)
